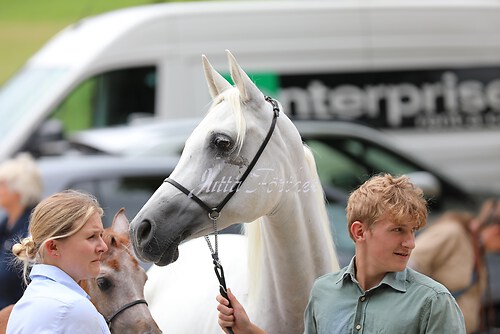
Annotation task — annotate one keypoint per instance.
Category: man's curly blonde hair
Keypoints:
(385, 195)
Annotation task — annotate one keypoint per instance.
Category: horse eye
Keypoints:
(103, 283)
(222, 142)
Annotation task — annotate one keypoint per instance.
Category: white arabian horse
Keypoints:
(289, 240)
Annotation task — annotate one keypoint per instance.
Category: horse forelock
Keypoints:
(233, 98)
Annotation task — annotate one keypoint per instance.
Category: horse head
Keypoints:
(119, 288)
(230, 141)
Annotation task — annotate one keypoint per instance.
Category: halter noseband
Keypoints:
(123, 308)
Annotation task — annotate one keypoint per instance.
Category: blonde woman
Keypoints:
(64, 248)
(20, 190)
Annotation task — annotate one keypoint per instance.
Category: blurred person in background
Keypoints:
(21, 188)
(452, 251)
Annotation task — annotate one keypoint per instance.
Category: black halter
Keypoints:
(214, 212)
(123, 308)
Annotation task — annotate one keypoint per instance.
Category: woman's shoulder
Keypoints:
(63, 309)
(83, 314)
(45, 292)
(51, 295)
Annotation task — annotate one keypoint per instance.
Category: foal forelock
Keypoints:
(233, 98)
(115, 243)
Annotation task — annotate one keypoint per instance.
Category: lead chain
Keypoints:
(216, 251)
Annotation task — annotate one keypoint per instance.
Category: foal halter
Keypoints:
(123, 308)
(214, 212)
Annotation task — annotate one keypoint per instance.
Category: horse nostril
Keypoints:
(145, 232)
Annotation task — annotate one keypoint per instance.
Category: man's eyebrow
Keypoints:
(407, 225)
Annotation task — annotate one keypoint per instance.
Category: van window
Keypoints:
(109, 98)
(22, 94)
(345, 163)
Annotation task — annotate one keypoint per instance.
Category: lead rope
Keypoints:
(214, 212)
(219, 271)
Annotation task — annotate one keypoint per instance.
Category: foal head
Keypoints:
(118, 291)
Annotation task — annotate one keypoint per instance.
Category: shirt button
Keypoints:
(362, 298)
(358, 327)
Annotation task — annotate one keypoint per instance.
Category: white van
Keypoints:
(427, 72)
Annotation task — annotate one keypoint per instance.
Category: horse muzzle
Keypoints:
(148, 247)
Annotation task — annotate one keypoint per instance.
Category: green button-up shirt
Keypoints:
(403, 302)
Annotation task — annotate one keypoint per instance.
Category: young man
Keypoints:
(376, 292)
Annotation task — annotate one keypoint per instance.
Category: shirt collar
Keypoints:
(396, 280)
(58, 275)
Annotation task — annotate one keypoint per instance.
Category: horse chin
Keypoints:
(168, 257)
(171, 254)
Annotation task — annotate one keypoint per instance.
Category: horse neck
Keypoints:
(295, 247)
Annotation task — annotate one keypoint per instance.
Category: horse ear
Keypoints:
(120, 223)
(248, 90)
(216, 82)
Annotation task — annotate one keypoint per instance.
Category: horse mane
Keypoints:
(253, 233)
(321, 200)
(253, 230)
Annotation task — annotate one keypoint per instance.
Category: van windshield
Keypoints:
(23, 93)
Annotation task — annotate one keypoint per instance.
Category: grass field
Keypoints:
(26, 25)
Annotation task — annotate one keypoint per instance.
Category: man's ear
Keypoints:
(358, 230)
(51, 248)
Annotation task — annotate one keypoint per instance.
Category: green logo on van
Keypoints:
(268, 83)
